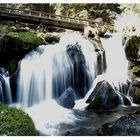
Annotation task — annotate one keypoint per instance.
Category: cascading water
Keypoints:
(47, 72)
(5, 90)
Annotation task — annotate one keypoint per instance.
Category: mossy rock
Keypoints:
(132, 48)
(22, 40)
(131, 65)
(103, 97)
(26, 37)
(14, 45)
(51, 39)
(14, 122)
(135, 94)
(136, 70)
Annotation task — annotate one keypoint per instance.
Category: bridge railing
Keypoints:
(50, 16)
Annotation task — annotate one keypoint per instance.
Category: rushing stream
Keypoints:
(48, 71)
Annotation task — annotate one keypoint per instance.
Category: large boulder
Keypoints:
(103, 97)
(14, 45)
(14, 122)
(132, 48)
(67, 99)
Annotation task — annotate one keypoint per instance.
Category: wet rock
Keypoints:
(96, 43)
(126, 100)
(136, 70)
(135, 94)
(81, 77)
(132, 48)
(101, 31)
(101, 62)
(51, 39)
(136, 82)
(103, 97)
(124, 126)
(131, 65)
(67, 99)
(89, 31)
(14, 45)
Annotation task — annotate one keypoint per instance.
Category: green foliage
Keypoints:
(47, 7)
(92, 10)
(14, 122)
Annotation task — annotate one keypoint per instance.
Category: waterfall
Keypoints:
(5, 90)
(117, 66)
(48, 71)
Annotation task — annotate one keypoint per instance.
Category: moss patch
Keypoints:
(14, 122)
(132, 48)
(26, 37)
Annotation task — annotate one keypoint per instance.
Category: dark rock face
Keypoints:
(14, 45)
(81, 77)
(135, 94)
(124, 126)
(132, 48)
(103, 97)
(101, 57)
(101, 62)
(67, 99)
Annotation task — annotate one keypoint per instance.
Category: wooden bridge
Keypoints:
(36, 17)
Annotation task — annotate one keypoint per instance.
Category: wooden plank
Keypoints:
(45, 21)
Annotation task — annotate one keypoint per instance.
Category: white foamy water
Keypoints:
(48, 116)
